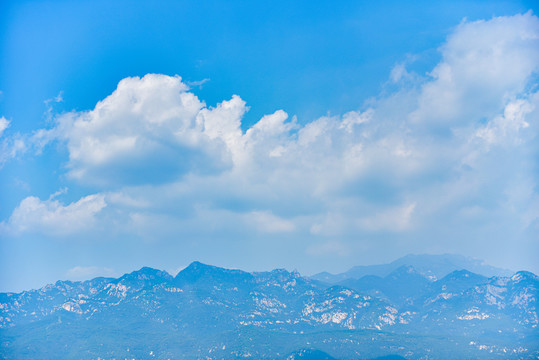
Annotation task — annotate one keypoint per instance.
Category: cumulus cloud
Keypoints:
(169, 165)
(146, 131)
(484, 64)
(54, 218)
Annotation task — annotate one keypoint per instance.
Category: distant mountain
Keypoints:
(207, 312)
(405, 285)
(401, 286)
(432, 266)
(459, 281)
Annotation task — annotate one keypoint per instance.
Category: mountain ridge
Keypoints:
(213, 312)
(433, 266)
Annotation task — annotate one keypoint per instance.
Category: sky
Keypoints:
(262, 135)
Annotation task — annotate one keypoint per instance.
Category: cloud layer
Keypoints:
(448, 160)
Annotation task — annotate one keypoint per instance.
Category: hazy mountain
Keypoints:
(432, 266)
(401, 286)
(459, 281)
(214, 313)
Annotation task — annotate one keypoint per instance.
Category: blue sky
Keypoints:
(262, 135)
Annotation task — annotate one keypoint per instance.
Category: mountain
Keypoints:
(432, 266)
(400, 286)
(459, 281)
(198, 274)
(215, 313)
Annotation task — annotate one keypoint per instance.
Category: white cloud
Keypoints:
(4, 124)
(49, 103)
(399, 73)
(485, 63)
(146, 131)
(197, 83)
(506, 127)
(172, 167)
(224, 123)
(52, 217)
(10, 146)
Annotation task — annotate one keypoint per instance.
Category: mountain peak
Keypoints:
(147, 273)
(523, 275)
(198, 271)
(197, 265)
(195, 270)
(460, 280)
(461, 274)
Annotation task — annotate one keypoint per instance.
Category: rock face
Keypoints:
(214, 313)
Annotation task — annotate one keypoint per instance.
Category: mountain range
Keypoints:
(208, 312)
(431, 266)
